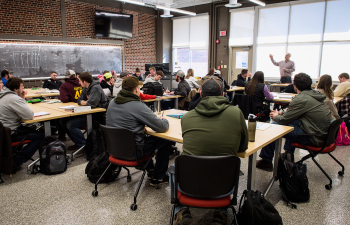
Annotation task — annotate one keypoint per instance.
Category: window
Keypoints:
(182, 59)
(337, 21)
(181, 32)
(194, 59)
(241, 28)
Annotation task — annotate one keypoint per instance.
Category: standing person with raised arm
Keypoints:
(287, 67)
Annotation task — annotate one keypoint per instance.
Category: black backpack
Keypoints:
(94, 143)
(97, 165)
(153, 88)
(293, 181)
(256, 210)
(53, 156)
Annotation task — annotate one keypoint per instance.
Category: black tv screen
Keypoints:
(113, 25)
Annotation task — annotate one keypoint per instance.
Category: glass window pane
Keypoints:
(273, 25)
(181, 32)
(335, 59)
(306, 58)
(306, 23)
(337, 21)
(181, 59)
(199, 34)
(241, 28)
(264, 63)
(199, 62)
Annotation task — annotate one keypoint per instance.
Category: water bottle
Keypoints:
(252, 127)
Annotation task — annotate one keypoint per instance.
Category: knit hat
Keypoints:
(212, 87)
(108, 75)
(130, 82)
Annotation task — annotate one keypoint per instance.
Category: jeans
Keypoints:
(61, 130)
(73, 126)
(29, 150)
(285, 80)
(162, 157)
(268, 151)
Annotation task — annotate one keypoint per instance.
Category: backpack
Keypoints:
(97, 165)
(256, 210)
(153, 88)
(53, 156)
(293, 181)
(343, 135)
(94, 143)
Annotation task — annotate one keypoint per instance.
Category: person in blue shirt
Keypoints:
(5, 75)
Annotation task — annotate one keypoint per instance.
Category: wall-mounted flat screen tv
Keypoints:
(113, 25)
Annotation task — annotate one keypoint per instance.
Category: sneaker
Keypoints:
(155, 182)
(183, 217)
(264, 165)
(287, 155)
(219, 218)
(74, 147)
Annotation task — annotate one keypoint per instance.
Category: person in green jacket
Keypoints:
(307, 113)
(213, 128)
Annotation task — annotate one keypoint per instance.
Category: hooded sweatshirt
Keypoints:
(13, 108)
(117, 86)
(128, 112)
(214, 128)
(70, 90)
(308, 107)
(94, 96)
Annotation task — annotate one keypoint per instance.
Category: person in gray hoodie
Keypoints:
(118, 83)
(92, 95)
(13, 108)
(128, 112)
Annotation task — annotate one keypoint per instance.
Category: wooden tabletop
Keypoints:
(33, 93)
(164, 97)
(262, 138)
(279, 85)
(55, 106)
(236, 88)
(280, 98)
(54, 114)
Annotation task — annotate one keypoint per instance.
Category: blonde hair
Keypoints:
(190, 73)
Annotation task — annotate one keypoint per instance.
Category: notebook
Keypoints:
(177, 116)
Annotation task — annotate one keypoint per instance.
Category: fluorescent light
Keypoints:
(133, 2)
(175, 10)
(258, 2)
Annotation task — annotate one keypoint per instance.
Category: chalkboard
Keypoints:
(29, 61)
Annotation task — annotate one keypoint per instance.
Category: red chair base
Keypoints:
(327, 149)
(125, 162)
(203, 203)
(14, 144)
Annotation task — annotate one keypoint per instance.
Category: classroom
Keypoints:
(174, 112)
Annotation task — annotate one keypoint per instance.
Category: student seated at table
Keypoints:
(108, 83)
(118, 83)
(213, 128)
(13, 108)
(71, 89)
(182, 89)
(343, 89)
(128, 112)
(156, 78)
(307, 113)
(256, 89)
(217, 73)
(5, 75)
(138, 74)
(191, 80)
(325, 87)
(52, 83)
(152, 72)
(241, 78)
(92, 95)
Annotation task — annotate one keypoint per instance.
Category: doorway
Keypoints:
(242, 58)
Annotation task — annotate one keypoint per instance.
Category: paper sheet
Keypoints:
(68, 107)
(41, 114)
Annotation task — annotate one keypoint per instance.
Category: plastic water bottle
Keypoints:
(252, 127)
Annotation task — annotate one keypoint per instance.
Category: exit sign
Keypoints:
(223, 33)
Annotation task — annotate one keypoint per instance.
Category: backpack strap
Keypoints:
(285, 198)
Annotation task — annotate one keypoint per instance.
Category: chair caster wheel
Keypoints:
(133, 207)
(341, 173)
(129, 179)
(94, 193)
(328, 186)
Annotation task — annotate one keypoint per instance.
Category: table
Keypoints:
(283, 85)
(32, 93)
(262, 139)
(336, 100)
(235, 88)
(157, 100)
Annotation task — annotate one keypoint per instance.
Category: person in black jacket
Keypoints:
(241, 78)
(138, 74)
(108, 82)
(52, 83)
(183, 88)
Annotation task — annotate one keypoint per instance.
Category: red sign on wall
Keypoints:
(223, 33)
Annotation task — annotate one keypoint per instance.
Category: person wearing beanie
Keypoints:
(213, 128)
(127, 111)
(138, 74)
(108, 83)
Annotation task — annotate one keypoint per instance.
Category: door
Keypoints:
(241, 59)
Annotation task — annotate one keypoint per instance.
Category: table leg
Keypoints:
(154, 106)
(89, 123)
(47, 128)
(158, 102)
(251, 171)
(176, 103)
(275, 165)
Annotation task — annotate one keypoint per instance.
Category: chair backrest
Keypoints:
(120, 143)
(333, 131)
(207, 176)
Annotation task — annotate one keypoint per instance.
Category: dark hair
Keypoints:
(108, 79)
(53, 72)
(257, 78)
(211, 71)
(130, 83)
(159, 72)
(4, 73)
(244, 71)
(137, 70)
(346, 75)
(14, 83)
(302, 81)
(86, 76)
(325, 83)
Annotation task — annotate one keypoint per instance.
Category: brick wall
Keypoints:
(43, 18)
